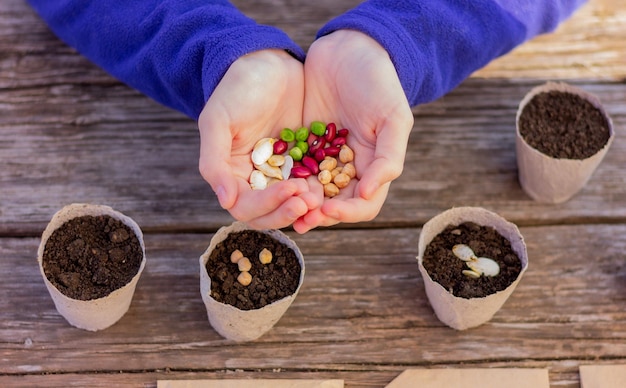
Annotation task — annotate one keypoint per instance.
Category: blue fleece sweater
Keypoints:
(177, 51)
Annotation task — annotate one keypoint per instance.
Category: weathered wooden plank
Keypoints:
(362, 308)
(587, 46)
(70, 133)
(461, 153)
(563, 374)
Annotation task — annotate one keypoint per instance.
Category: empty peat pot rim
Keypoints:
(569, 122)
(553, 180)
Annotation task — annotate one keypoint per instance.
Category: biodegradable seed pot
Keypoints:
(562, 135)
(248, 279)
(91, 258)
(471, 260)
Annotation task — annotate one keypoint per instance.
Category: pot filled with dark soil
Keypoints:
(248, 279)
(563, 133)
(471, 260)
(91, 258)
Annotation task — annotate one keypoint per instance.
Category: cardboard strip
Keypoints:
(270, 383)
(603, 376)
(472, 378)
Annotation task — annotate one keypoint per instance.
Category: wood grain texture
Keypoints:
(69, 132)
(358, 311)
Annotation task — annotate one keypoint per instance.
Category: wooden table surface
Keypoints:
(71, 133)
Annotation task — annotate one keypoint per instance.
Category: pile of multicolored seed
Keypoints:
(320, 150)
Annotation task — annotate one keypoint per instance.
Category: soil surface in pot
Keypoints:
(563, 125)
(270, 282)
(446, 269)
(88, 257)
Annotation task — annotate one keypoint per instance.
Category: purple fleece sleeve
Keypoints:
(436, 44)
(174, 51)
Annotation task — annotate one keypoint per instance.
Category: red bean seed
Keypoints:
(312, 137)
(311, 164)
(338, 142)
(280, 147)
(300, 172)
(331, 132)
(319, 143)
(319, 155)
(343, 132)
(332, 151)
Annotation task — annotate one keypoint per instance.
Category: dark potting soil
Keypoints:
(563, 125)
(270, 282)
(446, 269)
(88, 257)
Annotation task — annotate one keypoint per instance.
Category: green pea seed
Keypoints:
(303, 146)
(302, 134)
(318, 128)
(287, 135)
(296, 153)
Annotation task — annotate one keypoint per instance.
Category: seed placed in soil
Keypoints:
(477, 265)
(244, 278)
(236, 256)
(463, 252)
(484, 266)
(244, 264)
(265, 256)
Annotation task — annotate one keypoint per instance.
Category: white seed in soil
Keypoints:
(258, 180)
(286, 167)
(463, 252)
(485, 266)
(471, 274)
(263, 150)
(269, 171)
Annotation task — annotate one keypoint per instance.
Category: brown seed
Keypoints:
(341, 180)
(349, 170)
(336, 171)
(324, 177)
(329, 163)
(265, 256)
(244, 278)
(236, 256)
(346, 155)
(244, 264)
(330, 190)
